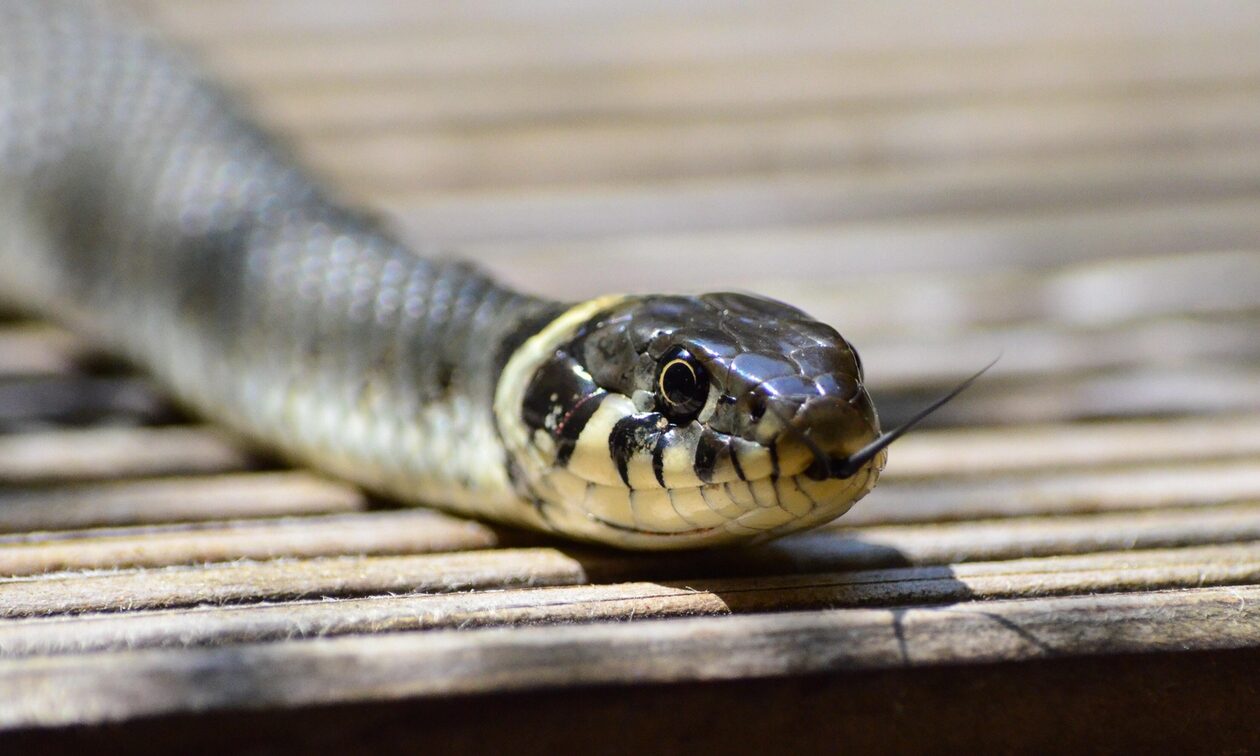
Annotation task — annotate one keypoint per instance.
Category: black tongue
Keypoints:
(847, 467)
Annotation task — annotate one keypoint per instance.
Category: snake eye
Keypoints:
(682, 386)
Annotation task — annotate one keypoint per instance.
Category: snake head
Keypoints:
(676, 422)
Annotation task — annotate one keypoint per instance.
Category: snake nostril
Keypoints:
(757, 406)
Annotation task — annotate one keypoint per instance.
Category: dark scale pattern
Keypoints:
(713, 449)
(782, 396)
(762, 354)
(633, 435)
(182, 235)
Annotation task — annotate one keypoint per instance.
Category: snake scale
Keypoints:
(142, 208)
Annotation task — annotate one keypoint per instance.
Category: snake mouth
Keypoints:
(708, 515)
(654, 533)
(735, 514)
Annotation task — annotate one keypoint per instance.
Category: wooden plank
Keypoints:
(285, 580)
(385, 66)
(940, 182)
(1198, 702)
(991, 540)
(766, 34)
(120, 686)
(1145, 288)
(968, 25)
(1206, 389)
(1003, 187)
(929, 455)
(1177, 291)
(420, 531)
(1058, 492)
(389, 152)
(382, 533)
(172, 500)
(310, 99)
(926, 455)
(272, 18)
(829, 550)
(1036, 239)
(111, 453)
(1033, 578)
(1041, 351)
(146, 503)
(35, 349)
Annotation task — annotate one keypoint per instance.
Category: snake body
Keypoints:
(140, 206)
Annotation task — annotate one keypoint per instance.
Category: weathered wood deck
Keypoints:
(1071, 556)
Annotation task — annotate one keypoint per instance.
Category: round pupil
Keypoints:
(679, 382)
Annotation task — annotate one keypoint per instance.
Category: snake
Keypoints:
(141, 206)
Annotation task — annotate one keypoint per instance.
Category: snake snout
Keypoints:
(825, 429)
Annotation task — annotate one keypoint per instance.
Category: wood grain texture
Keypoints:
(265, 622)
(863, 26)
(285, 580)
(168, 500)
(57, 690)
(380, 534)
(110, 453)
(297, 575)
(401, 152)
(1050, 447)
(1073, 184)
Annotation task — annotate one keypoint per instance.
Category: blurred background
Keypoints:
(1074, 184)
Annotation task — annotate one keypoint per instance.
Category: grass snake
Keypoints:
(139, 205)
